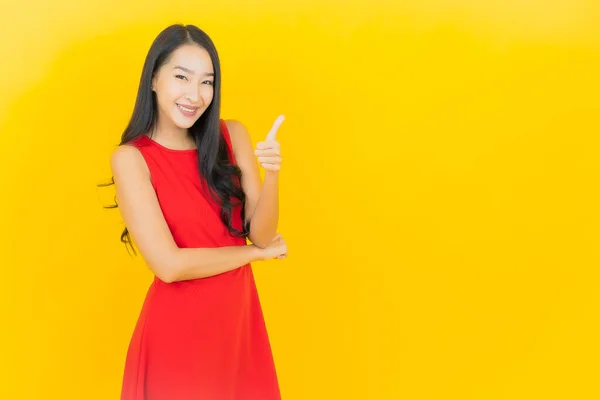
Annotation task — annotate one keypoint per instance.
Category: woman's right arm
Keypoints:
(144, 219)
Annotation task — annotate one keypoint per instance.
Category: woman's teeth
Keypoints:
(189, 110)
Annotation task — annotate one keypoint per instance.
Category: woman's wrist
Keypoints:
(256, 252)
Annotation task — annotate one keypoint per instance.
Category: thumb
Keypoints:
(273, 132)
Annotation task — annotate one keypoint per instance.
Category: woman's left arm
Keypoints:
(262, 198)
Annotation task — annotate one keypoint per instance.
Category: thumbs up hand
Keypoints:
(268, 151)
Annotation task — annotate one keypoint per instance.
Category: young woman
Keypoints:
(189, 190)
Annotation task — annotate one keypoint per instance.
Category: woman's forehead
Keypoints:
(192, 59)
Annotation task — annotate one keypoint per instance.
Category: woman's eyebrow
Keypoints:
(192, 72)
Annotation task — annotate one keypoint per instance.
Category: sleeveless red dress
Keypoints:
(201, 339)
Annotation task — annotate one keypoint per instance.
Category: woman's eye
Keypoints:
(207, 82)
(177, 76)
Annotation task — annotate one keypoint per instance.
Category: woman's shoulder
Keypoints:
(235, 127)
(127, 157)
(239, 136)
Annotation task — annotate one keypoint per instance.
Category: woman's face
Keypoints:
(184, 86)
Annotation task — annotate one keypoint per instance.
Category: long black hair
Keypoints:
(221, 176)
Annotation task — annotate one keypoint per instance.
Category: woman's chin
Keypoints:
(184, 124)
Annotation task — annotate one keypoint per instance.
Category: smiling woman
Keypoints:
(189, 190)
(191, 92)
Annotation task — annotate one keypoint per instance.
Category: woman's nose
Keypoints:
(193, 94)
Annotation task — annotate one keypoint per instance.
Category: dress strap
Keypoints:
(225, 133)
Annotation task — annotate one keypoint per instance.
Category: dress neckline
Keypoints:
(154, 142)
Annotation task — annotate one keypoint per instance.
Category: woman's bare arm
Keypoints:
(144, 219)
(262, 198)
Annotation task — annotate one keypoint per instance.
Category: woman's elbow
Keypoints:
(261, 241)
(167, 270)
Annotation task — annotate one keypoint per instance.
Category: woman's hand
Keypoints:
(276, 249)
(269, 151)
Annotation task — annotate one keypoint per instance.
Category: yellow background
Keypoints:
(439, 192)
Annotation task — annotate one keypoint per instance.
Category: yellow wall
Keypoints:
(440, 192)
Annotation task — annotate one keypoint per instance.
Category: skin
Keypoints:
(138, 204)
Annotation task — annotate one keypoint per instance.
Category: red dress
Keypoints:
(201, 339)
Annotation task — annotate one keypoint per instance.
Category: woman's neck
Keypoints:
(172, 137)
